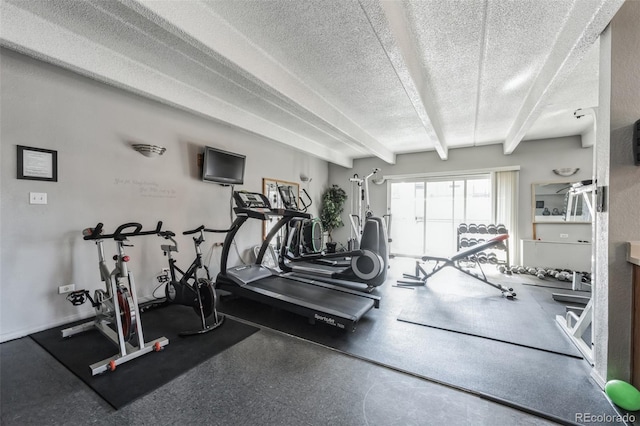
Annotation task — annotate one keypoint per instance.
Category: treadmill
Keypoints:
(318, 301)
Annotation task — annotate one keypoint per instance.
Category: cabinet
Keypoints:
(557, 255)
(635, 361)
(633, 257)
(472, 234)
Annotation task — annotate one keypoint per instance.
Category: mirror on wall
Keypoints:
(270, 190)
(560, 202)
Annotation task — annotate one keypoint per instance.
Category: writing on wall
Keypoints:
(147, 188)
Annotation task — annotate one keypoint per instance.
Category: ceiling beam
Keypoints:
(580, 31)
(199, 25)
(34, 36)
(388, 21)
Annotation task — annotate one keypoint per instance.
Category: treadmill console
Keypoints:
(257, 205)
(251, 200)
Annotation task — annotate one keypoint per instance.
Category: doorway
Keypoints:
(426, 212)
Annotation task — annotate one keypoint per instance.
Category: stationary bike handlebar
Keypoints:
(219, 231)
(119, 234)
(202, 228)
(166, 234)
(193, 231)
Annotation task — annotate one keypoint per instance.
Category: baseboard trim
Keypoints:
(17, 334)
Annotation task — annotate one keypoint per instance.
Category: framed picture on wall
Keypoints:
(37, 164)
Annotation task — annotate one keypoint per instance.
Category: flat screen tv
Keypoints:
(222, 167)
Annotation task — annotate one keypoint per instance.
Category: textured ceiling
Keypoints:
(339, 79)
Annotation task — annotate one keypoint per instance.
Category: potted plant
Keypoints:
(333, 200)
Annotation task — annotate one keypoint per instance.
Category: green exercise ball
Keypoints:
(623, 394)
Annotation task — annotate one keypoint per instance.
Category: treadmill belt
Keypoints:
(319, 297)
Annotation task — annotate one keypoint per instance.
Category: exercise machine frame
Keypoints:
(421, 274)
(191, 290)
(357, 219)
(333, 305)
(117, 304)
(365, 267)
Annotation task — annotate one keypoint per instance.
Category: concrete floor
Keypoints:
(268, 379)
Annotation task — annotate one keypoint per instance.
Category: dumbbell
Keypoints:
(473, 228)
(564, 276)
(464, 242)
(501, 229)
(472, 242)
(492, 229)
(462, 228)
(482, 257)
(482, 229)
(502, 269)
(492, 258)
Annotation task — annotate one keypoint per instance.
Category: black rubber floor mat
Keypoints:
(142, 375)
(520, 321)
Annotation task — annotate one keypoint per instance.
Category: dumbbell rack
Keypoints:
(475, 233)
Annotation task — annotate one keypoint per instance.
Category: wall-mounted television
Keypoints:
(226, 168)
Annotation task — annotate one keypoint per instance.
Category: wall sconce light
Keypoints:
(148, 150)
(305, 178)
(566, 171)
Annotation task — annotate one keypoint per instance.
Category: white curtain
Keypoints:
(505, 190)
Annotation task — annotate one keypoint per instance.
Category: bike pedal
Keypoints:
(77, 297)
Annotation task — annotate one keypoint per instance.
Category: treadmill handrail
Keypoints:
(264, 213)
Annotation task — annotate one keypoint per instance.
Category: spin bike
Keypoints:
(191, 289)
(117, 312)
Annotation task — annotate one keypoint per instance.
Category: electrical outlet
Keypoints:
(37, 198)
(564, 235)
(66, 288)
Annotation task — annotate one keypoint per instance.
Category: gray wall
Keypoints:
(101, 179)
(536, 159)
(613, 309)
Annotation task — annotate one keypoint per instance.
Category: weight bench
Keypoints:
(421, 275)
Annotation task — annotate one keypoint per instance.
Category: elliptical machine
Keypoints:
(191, 290)
(308, 237)
(117, 305)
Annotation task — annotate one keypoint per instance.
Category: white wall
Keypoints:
(101, 179)
(536, 159)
